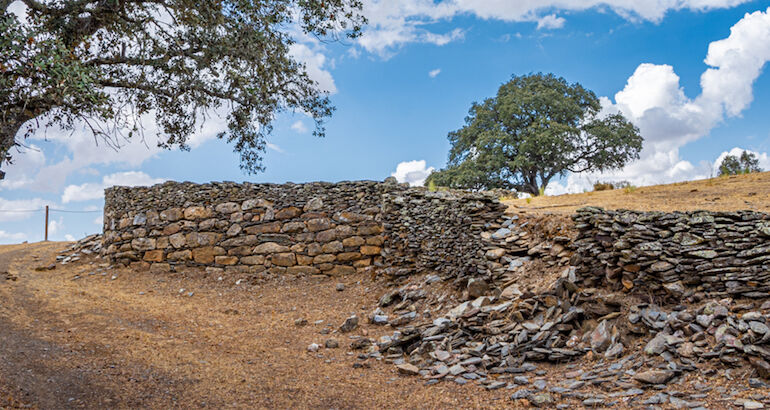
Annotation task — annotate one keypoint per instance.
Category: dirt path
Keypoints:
(75, 337)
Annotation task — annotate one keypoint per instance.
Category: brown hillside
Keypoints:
(742, 192)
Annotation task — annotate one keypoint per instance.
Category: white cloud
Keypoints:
(314, 65)
(274, 147)
(654, 100)
(736, 62)
(393, 23)
(21, 173)
(33, 171)
(550, 22)
(55, 226)
(434, 73)
(413, 172)
(9, 208)
(83, 192)
(69, 238)
(444, 39)
(7, 237)
(299, 127)
(95, 190)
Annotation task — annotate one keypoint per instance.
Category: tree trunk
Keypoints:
(8, 131)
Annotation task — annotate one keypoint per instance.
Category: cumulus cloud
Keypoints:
(413, 172)
(299, 127)
(32, 170)
(315, 63)
(393, 23)
(434, 73)
(550, 22)
(654, 100)
(55, 226)
(95, 190)
(21, 209)
(25, 164)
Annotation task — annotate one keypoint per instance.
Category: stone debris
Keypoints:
(313, 347)
(349, 325)
(499, 333)
(331, 343)
(90, 245)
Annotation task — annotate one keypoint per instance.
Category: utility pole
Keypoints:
(46, 223)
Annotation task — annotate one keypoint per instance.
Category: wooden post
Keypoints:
(46, 223)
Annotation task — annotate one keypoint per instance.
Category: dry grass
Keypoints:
(225, 346)
(751, 192)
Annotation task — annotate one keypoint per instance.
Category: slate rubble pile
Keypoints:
(497, 335)
(679, 253)
(91, 245)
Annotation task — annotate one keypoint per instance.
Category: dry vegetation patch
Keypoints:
(728, 193)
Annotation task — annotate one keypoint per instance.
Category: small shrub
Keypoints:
(432, 186)
(603, 186)
(629, 189)
(541, 191)
(529, 199)
(607, 186)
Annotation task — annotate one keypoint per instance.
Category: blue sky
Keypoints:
(688, 73)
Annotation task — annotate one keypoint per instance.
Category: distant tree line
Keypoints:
(746, 163)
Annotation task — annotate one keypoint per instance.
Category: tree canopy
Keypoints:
(538, 126)
(746, 163)
(107, 63)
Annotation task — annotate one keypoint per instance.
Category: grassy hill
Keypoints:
(731, 193)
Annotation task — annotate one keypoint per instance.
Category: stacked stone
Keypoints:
(310, 228)
(680, 252)
(437, 231)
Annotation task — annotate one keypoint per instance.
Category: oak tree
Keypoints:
(108, 63)
(538, 126)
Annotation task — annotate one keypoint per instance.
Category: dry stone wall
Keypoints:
(314, 228)
(437, 231)
(679, 253)
(336, 229)
(293, 228)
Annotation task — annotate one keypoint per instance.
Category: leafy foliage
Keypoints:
(107, 63)
(746, 163)
(537, 127)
